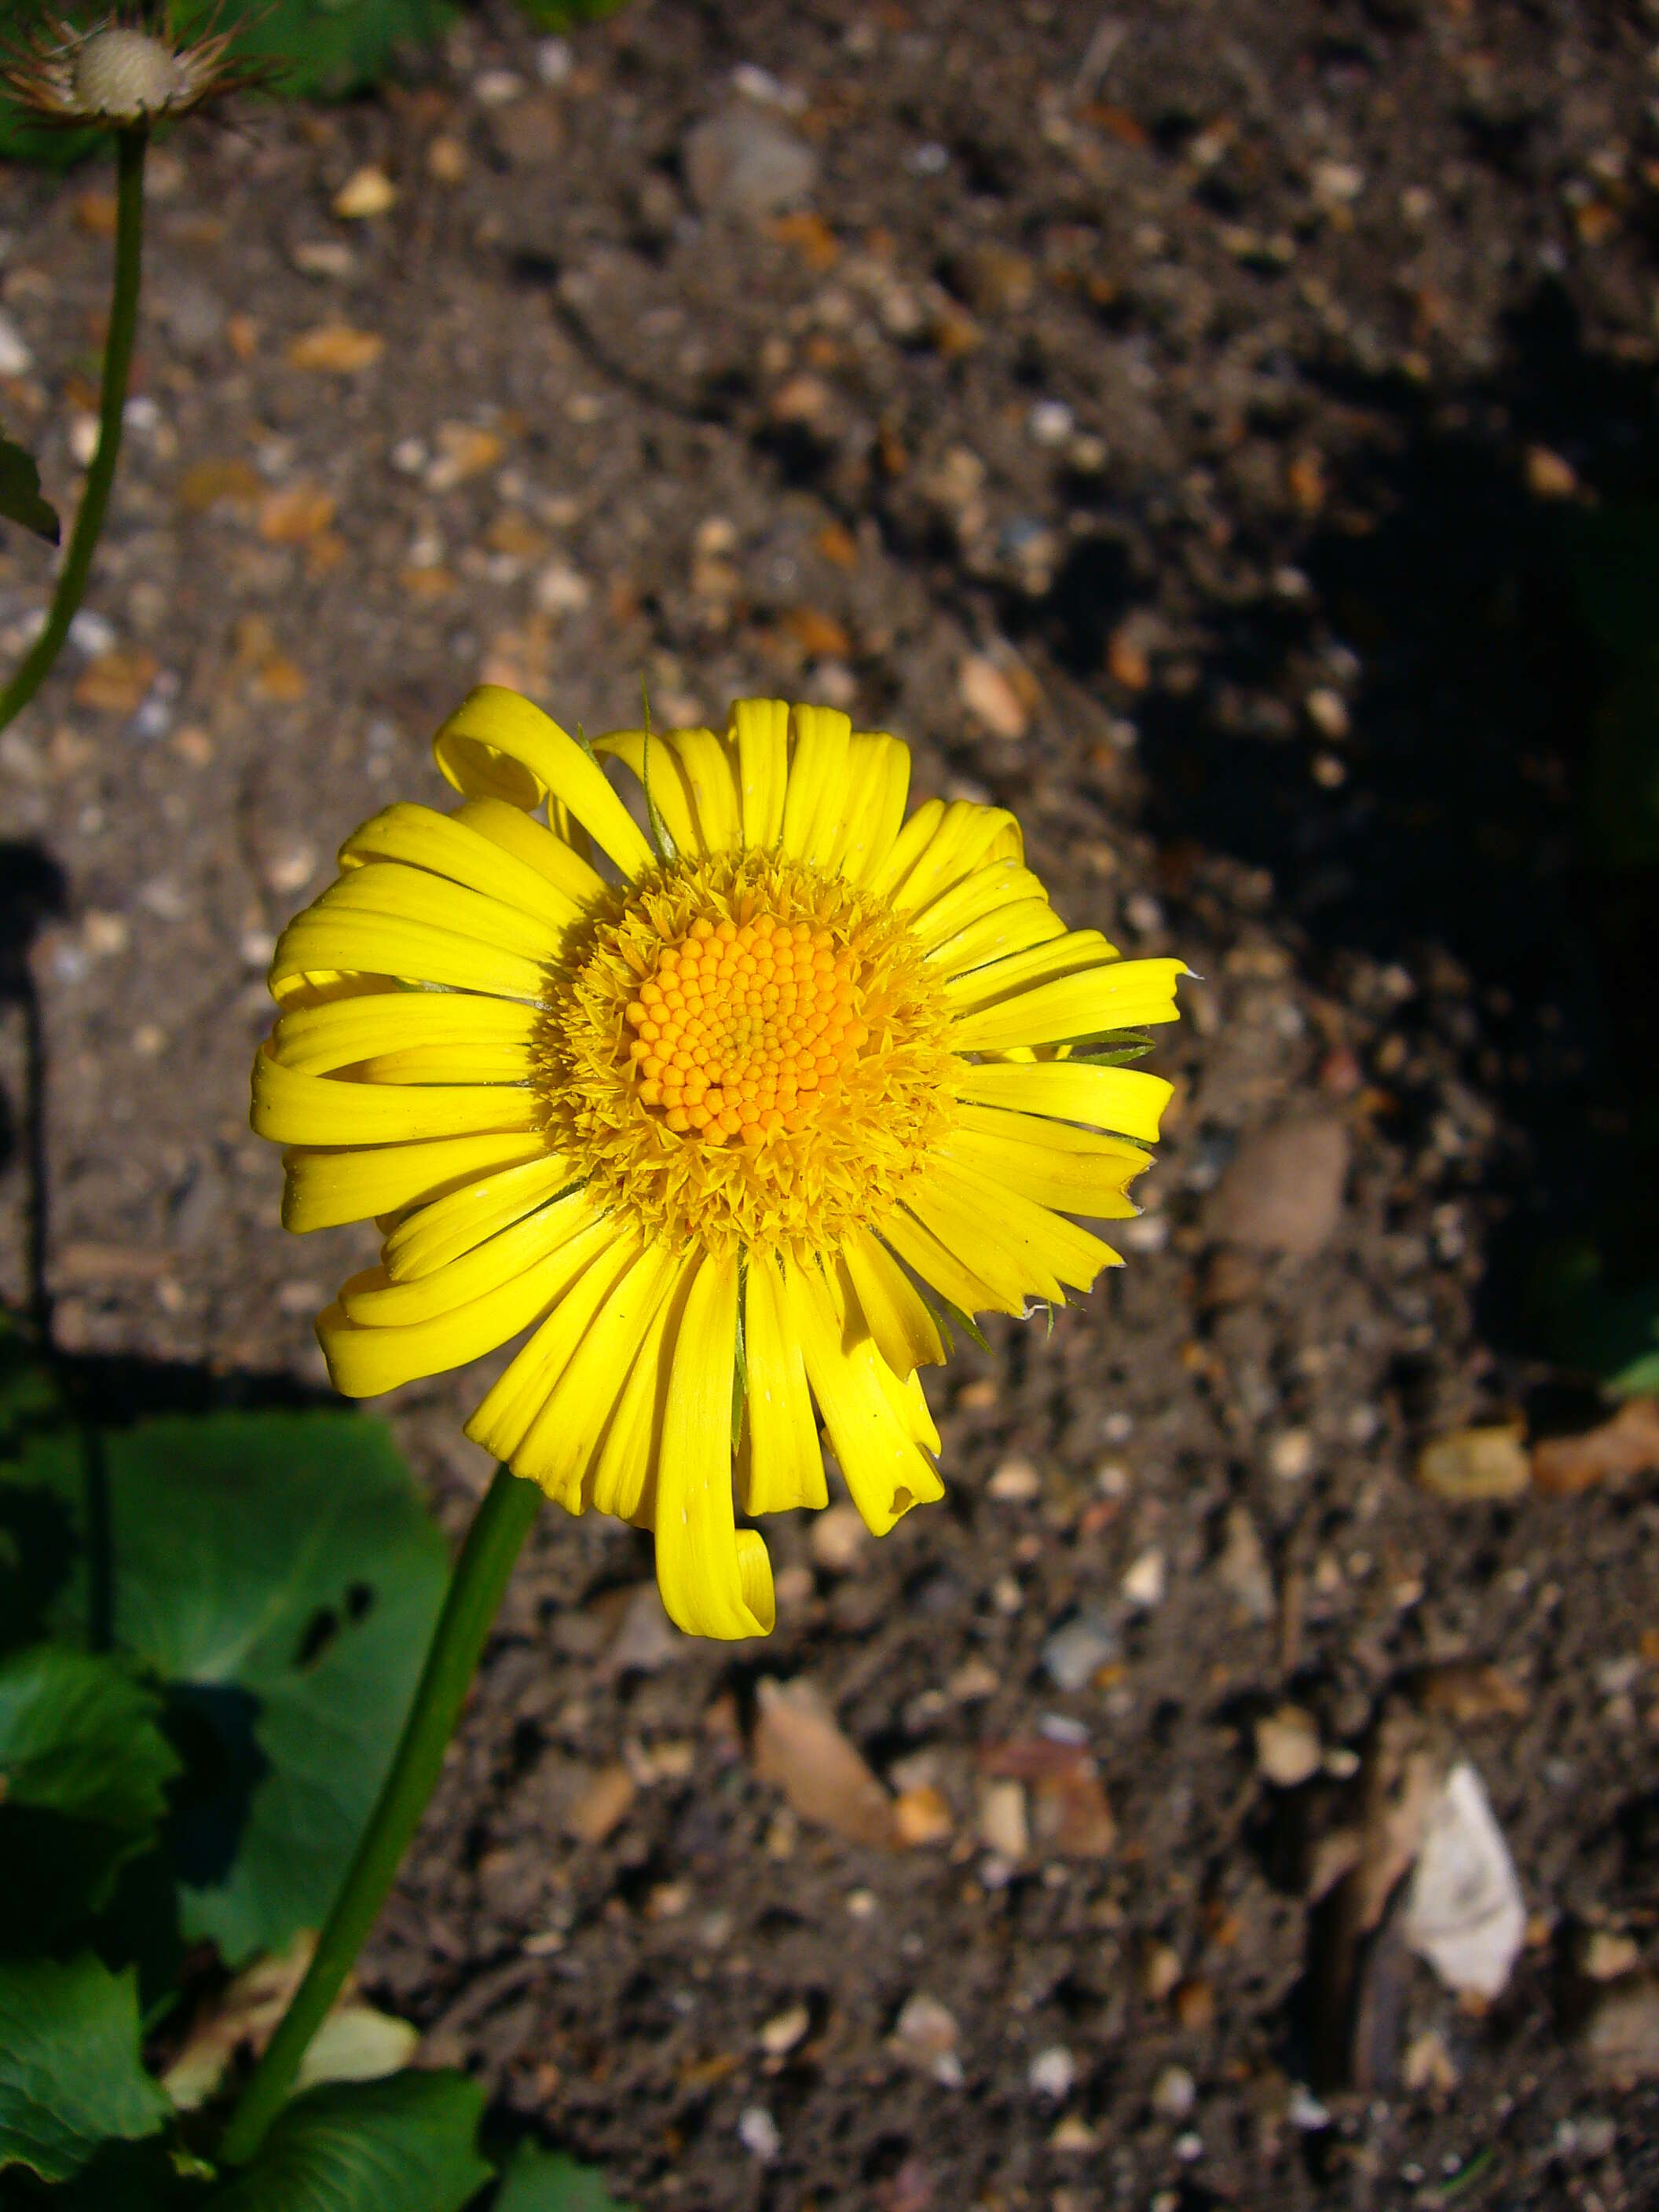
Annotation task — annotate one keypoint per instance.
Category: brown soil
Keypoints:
(1353, 309)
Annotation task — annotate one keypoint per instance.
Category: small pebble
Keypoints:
(15, 359)
(1050, 422)
(1304, 2111)
(1074, 1654)
(784, 2030)
(1015, 1482)
(1287, 1746)
(757, 2132)
(1053, 2073)
(1175, 2093)
(1143, 1585)
(1291, 1454)
(838, 1539)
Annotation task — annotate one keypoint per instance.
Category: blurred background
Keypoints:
(1226, 436)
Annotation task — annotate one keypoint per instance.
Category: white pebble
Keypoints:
(1175, 2093)
(1053, 2073)
(497, 87)
(757, 2132)
(15, 359)
(554, 60)
(1050, 422)
(1305, 2111)
(1144, 1584)
(92, 633)
(1291, 1456)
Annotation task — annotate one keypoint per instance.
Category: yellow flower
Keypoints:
(701, 1108)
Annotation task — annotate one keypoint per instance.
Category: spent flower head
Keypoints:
(730, 1116)
(125, 70)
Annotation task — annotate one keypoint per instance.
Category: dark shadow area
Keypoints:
(33, 890)
(1458, 817)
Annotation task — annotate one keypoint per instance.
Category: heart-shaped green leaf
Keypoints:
(279, 1575)
(83, 1774)
(408, 2144)
(20, 493)
(547, 2181)
(70, 2074)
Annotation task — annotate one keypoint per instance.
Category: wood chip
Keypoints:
(291, 516)
(1476, 1465)
(117, 681)
(336, 349)
(601, 1806)
(799, 1745)
(1618, 1451)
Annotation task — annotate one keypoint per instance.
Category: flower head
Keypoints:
(120, 73)
(730, 1116)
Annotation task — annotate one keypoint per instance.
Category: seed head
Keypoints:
(117, 74)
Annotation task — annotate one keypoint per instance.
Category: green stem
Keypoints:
(112, 403)
(493, 1543)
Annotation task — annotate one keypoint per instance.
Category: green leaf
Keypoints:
(20, 493)
(279, 1574)
(325, 49)
(83, 1774)
(547, 2181)
(408, 2144)
(70, 2074)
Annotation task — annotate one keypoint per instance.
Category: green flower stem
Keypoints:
(112, 404)
(493, 1543)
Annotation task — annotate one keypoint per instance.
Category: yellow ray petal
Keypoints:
(659, 770)
(316, 1040)
(960, 1221)
(711, 770)
(440, 1231)
(393, 889)
(999, 884)
(551, 856)
(894, 1311)
(324, 1110)
(376, 1301)
(320, 942)
(817, 779)
(1047, 1243)
(623, 1480)
(450, 1063)
(781, 1464)
(325, 1188)
(909, 1402)
(559, 1447)
(1017, 970)
(1052, 1172)
(1120, 1098)
(497, 745)
(885, 1471)
(938, 1265)
(1005, 929)
(364, 1360)
(761, 729)
(912, 840)
(880, 769)
(450, 847)
(712, 1584)
(966, 837)
(1124, 994)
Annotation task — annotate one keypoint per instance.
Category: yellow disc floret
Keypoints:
(747, 1052)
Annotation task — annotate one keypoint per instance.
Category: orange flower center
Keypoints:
(744, 1028)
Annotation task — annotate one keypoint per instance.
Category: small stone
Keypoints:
(757, 2132)
(1620, 2034)
(1287, 1746)
(838, 1539)
(1425, 2065)
(1243, 1570)
(784, 2030)
(1304, 2111)
(465, 450)
(1602, 1954)
(336, 349)
(1050, 422)
(987, 695)
(1003, 1825)
(366, 192)
(601, 1805)
(1074, 2137)
(562, 590)
(647, 1640)
(920, 1816)
(1329, 712)
(497, 88)
(1160, 1971)
(798, 1746)
(554, 60)
(996, 281)
(1291, 1454)
(1016, 1482)
(295, 514)
(1193, 2001)
(744, 163)
(1175, 2093)
(15, 359)
(1143, 1585)
(1473, 1465)
(1075, 1653)
(529, 134)
(927, 2034)
(1283, 1189)
(292, 868)
(1550, 475)
(445, 159)
(1053, 2073)
(329, 258)
(1337, 182)
(1464, 1912)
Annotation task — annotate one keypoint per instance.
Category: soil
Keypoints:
(1171, 422)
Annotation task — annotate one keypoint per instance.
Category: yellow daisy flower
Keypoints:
(729, 1111)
